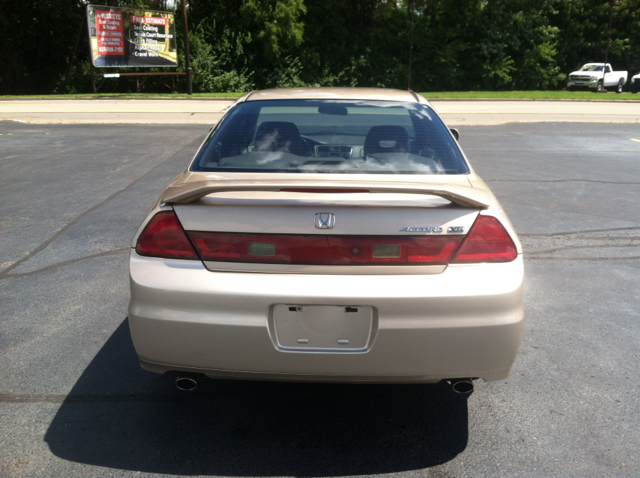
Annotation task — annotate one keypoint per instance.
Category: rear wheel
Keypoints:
(619, 87)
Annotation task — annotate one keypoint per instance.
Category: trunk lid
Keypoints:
(352, 214)
(312, 219)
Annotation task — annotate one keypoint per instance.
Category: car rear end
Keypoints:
(328, 268)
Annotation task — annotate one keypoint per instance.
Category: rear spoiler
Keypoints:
(464, 196)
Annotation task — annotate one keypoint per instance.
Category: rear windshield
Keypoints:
(310, 136)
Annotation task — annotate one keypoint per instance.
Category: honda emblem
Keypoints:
(325, 220)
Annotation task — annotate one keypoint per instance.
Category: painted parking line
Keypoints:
(636, 140)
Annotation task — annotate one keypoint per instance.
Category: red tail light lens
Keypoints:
(323, 191)
(164, 237)
(487, 241)
(324, 250)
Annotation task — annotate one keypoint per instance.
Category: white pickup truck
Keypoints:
(635, 83)
(592, 77)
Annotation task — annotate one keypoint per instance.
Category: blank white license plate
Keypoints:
(320, 328)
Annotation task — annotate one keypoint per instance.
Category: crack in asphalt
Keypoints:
(570, 233)
(544, 246)
(113, 252)
(593, 238)
(590, 259)
(81, 216)
(475, 150)
(559, 181)
(567, 248)
(99, 397)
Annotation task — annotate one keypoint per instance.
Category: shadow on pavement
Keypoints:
(121, 417)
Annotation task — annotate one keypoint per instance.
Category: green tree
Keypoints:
(264, 35)
(584, 27)
(244, 44)
(38, 40)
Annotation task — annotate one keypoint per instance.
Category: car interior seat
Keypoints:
(280, 136)
(386, 139)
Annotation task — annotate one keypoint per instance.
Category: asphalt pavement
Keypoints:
(74, 403)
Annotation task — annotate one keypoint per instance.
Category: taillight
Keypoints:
(487, 241)
(324, 250)
(323, 191)
(164, 237)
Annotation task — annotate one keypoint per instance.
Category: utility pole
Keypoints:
(73, 57)
(410, 43)
(606, 55)
(187, 58)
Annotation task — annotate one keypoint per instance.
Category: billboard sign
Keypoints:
(131, 37)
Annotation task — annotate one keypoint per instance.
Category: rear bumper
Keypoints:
(464, 322)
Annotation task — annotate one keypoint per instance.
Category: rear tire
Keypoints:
(619, 87)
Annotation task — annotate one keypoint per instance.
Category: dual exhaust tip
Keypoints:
(462, 386)
(187, 383)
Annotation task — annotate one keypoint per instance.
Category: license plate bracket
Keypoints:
(322, 328)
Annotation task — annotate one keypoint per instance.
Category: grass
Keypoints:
(508, 95)
(530, 95)
(122, 95)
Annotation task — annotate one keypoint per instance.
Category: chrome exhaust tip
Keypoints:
(186, 383)
(463, 386)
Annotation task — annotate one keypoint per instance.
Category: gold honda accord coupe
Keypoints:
(328, 234)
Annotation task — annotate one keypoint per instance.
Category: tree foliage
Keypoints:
(237, 45)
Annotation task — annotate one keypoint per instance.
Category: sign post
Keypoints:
(187, 58)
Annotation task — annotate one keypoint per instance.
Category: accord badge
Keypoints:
(421, 229)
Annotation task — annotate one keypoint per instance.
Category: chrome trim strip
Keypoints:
(215, 266)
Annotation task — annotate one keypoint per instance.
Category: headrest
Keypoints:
(278, 136)
(386, 139)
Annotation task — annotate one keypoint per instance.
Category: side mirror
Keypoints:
(455, 133)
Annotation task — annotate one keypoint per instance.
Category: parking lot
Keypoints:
(73, 401)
